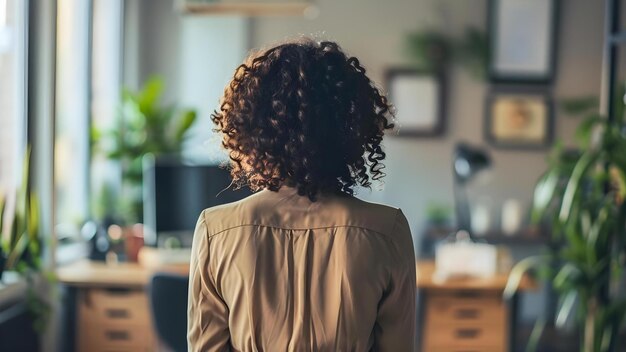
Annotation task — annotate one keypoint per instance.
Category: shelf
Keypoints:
(516, 239)
(276, 8)
(523, 237)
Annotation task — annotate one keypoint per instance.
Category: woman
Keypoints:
(302, 265)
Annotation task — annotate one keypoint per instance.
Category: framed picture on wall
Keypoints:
(523, 40)
(519, 119)
(418, 98)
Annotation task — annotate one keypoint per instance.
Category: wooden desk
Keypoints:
(112, 311)
(465, 314)
(86, 273)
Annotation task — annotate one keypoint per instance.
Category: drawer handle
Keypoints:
(468, 294)
(467, 333)
(117, 313)
(117, 335)
(467, 313)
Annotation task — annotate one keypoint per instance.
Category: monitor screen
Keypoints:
(175, 194)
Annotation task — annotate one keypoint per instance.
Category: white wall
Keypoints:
(210, 50)
(419, 170)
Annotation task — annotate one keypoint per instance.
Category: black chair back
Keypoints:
(168, 299)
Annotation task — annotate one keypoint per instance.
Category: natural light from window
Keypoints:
(12, 91)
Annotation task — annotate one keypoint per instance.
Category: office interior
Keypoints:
(508, 159)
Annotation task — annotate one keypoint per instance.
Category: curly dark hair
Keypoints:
(303, 114)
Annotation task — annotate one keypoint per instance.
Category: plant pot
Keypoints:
(133, 241)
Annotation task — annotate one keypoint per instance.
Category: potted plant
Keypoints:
(146, 126)
(19, 225)
(438, 215)
(433, 51)
(21, 244)
(582, 198)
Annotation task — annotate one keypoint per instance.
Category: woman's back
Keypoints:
(302, 265)
(278, 272)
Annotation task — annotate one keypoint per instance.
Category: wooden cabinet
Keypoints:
(110, 306)
(459, 322)
(113, 320)
(464, 315)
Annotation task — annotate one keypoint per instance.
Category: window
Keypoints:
(13, 31)
(106, 92)
(72, 116)
(89, 42)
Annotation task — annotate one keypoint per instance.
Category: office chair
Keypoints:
(168, 300)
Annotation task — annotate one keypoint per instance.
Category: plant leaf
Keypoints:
(568, 273)
(32, 227)
(573, 185)
(566, 309)
(535, 335)
(17, 251)
(188, 117)
(544, 193)
(585, 129)
(20, 203)
(517, 274)
(149, 95)
(598, 226)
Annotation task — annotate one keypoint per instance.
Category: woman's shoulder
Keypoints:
(285, 209)
(378, 216)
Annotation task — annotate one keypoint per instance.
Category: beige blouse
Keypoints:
(277, 272)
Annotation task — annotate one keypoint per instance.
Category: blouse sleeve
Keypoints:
(207, 321)
(397, 319)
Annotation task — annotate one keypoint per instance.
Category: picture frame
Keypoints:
(418, 99)
(523, 40)
(519, 119)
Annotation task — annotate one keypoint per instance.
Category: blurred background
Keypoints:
(508, 150)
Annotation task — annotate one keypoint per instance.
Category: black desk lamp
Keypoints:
(467, 161)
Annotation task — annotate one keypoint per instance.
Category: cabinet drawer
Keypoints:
(116, 338)
(461, 349)
(113, 321)
(101, 307)
(465, 337)
(451, 311)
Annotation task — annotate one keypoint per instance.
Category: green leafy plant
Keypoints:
(19, 227)
(430, 50)
(471, 51)
(433, 51)
(438, 214)
(21, 244)
(146, 126)
(582, 198)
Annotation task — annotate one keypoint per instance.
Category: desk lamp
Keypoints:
(467, 161)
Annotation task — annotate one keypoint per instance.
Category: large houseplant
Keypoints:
(146, 126)
(581, 197)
